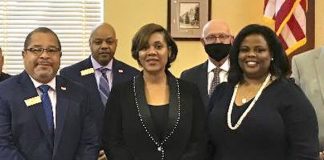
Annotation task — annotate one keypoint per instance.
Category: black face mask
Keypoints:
(217, 51)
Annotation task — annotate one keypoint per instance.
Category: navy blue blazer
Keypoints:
(121, 72)
(23, 128)
(199, 76)
(4, 76)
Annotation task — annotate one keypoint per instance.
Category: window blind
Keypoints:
(71, 20)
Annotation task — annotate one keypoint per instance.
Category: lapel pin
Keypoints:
(87, 71)
(32, 101)
(63, 88)
(120, 71)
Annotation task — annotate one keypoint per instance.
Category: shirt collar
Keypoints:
(96, 65)
(51, 83)
(225, 66)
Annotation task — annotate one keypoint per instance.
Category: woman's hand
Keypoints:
(102, 155)
(321, 155)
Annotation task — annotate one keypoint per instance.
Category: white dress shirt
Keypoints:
(109, 74)
(222, 75)
(51, 94)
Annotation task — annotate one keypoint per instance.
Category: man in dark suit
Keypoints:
(3, 76)
(44, 116)
(103, 44)
(216, 39)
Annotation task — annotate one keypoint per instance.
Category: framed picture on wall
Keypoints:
(186, 18)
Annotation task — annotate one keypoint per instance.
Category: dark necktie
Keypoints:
(47, 106)
(215, 81)
(104, 88)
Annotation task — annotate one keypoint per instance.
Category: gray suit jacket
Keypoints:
(307, 70)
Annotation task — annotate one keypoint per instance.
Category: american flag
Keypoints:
(289, 18)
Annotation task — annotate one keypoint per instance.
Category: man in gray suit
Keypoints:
(217, 41)
(307, 70)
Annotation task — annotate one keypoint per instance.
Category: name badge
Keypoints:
(87, 71)
(32, 101)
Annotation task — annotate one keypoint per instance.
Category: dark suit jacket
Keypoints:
(23, 128)
(199, 76)
(4, 76)
(125, 138)
(121, 72)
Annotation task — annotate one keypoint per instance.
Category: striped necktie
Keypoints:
(104, 88)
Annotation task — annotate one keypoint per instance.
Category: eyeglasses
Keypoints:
(221, 37)
(39, 51)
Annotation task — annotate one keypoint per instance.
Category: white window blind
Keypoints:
(71, 20)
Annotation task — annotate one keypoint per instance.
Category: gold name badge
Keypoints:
(31, 101)
(87, 71)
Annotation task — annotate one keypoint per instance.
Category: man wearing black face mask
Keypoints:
(217, 40)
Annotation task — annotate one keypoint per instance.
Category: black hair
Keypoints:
(279, 66)
(41, 30)
(141, 38)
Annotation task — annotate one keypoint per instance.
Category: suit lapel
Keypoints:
(173, 104)
(319, 74)
(91, 78)
(91, 82)
(118, 72)
(203, 83)
(37, 109)
(144, 108)
(62, 104)
(142, 105)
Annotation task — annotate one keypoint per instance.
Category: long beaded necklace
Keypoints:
(230, 108)
(157, 144)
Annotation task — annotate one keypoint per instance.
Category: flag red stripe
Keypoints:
(283, 42)
(265, 5)
(286, 17)
(303, 4)
(283, 12)
(295, 28)
(269, 8)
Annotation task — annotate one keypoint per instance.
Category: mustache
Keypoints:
(44, 62)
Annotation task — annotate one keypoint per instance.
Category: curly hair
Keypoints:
(279, 66)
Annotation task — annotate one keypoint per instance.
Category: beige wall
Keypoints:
(128, 16)
(319, 23)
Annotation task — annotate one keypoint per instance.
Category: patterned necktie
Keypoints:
(47, 106)
(104, 88)
(215, 81)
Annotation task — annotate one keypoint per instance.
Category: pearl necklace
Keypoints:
(244, 100)
(230, 108)
(157, 144)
